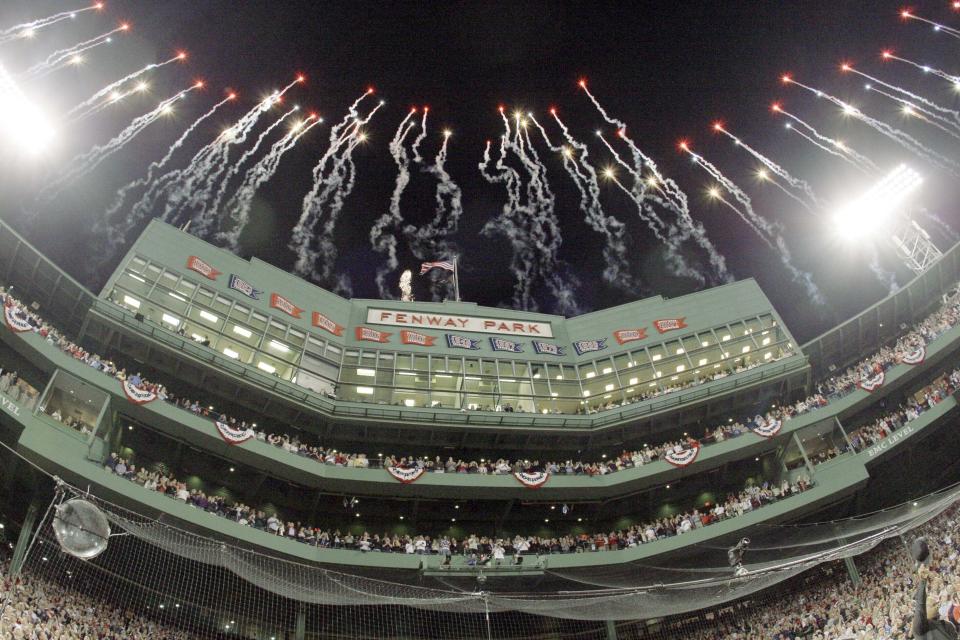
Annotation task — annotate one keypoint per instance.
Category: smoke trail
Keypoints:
(913, 96)
(206, 214)
(858, 159)
(83, 108)
(765, 230)
(63, 57)
(415, 148)
(333, 180)
(114, 98)
(950, 31)
(954, 80)
(117, 236)
(906, 141)
(922, 114)
(796, 183)
(765, 178)
(675, 199)
(617, 270)
(28, 29)
(888, 278)
(83, 164)
(238, 207)
(381, 239)
(941, 223)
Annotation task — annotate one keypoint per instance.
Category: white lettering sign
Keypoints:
(460, 323)
(889, 441)
(9, 406)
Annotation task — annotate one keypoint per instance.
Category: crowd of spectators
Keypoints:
(17, 389)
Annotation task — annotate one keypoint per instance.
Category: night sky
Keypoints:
(668, 69)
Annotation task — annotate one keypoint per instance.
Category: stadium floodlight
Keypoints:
(873, 211)
(21, 121)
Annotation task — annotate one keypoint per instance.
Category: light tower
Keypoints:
(913, 246)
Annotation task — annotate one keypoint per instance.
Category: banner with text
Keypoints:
(471, 324)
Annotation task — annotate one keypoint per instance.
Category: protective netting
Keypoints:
(207, 588)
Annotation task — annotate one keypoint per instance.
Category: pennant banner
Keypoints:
(871, 384)
(623, 336)
(682, 458)
(669, 324)
(371, 335)
(239, 284)
(406, 476)
(413, 337)
(325, 323)
(460, 342)
(14, 322)
(232, 435)
(136, 395)
(533, 480)
(586, 346)
(499, 344)
(768, 429)
(196, 264)
(277, 301)
(916, 356)
(546, 348)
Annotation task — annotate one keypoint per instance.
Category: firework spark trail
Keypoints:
(617, 268)
(202, 177)
(415, 148)
(334, 178)
(94, 101)
(116, 236)
(28, 29)
(238, 206)
(905, 140)
(941, 223)
(83, 164)
(950, 31)
(113, 99)
(206, 215)
(796, 183)
(857, 158)
(913, 96)
(912, 110)
(676, 199)
(431, 240)
(381, 238)
(955, 80)
(62, 57)
(765, 178)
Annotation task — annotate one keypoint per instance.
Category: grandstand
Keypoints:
(276, 461)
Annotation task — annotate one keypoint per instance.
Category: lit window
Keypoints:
(766, 341)
(559, 377)
(705, 343)
(659, 374)
(591, 374)
(409, 402)
(681, 367)
(136, 277)
(608, 396)
(240, 331)
(169, 319)
(586, 394)
(230, 353)
(369, 373)
(634, 380)
(269, 368)
(133, 302)
(176, 296)
(674, 377)
(607, 370)
(767, 355)
(745, 349)
(366, 391)
(726, 337)
(554, 394)
(206, 315)
(279, 346)
(656, 357)
(679, 352)
(702, 361)
(609, 387)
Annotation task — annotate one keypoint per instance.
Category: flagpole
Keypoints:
(456, 280)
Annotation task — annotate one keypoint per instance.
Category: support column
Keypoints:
(611, 630)
(852, 571)
(23, 541)
(803, 452)
(300, 631)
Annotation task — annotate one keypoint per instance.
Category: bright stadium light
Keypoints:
(872, 211)
(21, 121)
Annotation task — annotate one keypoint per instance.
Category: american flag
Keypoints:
(426, 266)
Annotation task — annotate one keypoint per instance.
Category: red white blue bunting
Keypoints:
(917, 356)
(231, 434)
(14, 322)
(532, 480)
(683, 457)
(136, 395)
(406, 475)
(768, 429)
(872, 383)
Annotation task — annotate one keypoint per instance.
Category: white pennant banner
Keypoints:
(532, 480)
(683, 457)
(137, 395)
(871, 384)
(232, 435)
(406, 476)
(768, 429)
(15, 322)
(917, 356)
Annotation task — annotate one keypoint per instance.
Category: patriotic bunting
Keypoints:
(232, 435)
(371, 335)
(623, 336)
(683, 457)
(325, 323)
(196, 264)
(14, 322)
(768, 429)
(460, 342)
(545, 348)
(586, 346)
(239, 284)
(413, 337)
(406, 476)
(277, 301)
(917, 356)
(136, 395)
(499, 344)
(669, 324)
(444, 264)
(871, 384)
(532, 480)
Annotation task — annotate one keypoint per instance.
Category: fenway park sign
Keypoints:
(471, 324)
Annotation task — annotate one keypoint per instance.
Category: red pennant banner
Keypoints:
(412, 337)
(136, 395)
(669, 324)
(371, 335)
(232, 435)
(871, 384)
(196, 264)
(917, 356)
(624, 336)
(533, 480)
(277, 301)
(683, 457)
(14, 322)
(323, 322)
(406, 476)
(768, 429)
